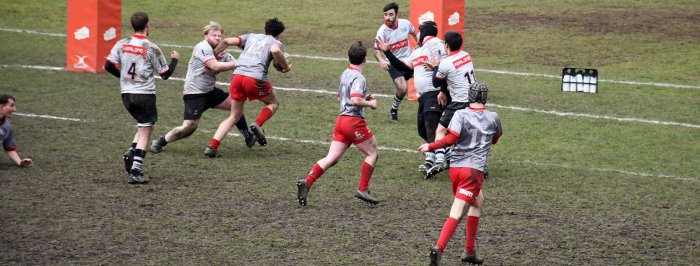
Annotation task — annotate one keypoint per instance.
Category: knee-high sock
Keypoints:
(472, 228)
(366, 175)
(265, 114)
(315, 173)
(447, 230)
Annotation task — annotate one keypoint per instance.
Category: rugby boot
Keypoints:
(136, 177)
(435, 255)
(394, 115)
(155, 148)
(211, 153)
(250, 140)
(424, 169)
(365, 196)
(128, 159)
(471, 258)
(259, 134)
(302, 192)
(436, 169)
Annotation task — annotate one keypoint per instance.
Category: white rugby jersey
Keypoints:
(199, 78)
(138, 60)
(476, 129)
(422, 78)
(397, 37)
(352, 84)
(457, 67)
(256, 57)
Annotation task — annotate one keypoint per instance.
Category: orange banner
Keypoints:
(449, 16)
(93, 27)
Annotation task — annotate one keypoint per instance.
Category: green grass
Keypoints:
(563, 189)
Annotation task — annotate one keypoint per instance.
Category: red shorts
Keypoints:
(351, 129)
(466, 183)
(243, 87)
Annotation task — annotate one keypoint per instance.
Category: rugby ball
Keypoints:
(287, 57)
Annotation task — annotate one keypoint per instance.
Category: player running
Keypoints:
(250, 79)
(350, 128)
(199, 92)
(429, 110)
(457, 70)
(474, 130)
(395, 32)
(135, 60)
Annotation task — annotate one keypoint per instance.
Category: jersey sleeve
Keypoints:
(242, 40)
(444, 69)
(411, 29)
(204, 53)
(160, 65)
(436, 49)
(357, 88)
(227, 58)
(457, 123)
(9, 142)
(115, 54)
(379, 36)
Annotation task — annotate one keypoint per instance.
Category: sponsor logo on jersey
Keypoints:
(465, 192)
(398, 45)
(419, 61)
(133, 49)
(462, 61)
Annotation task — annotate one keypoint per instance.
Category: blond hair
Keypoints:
(212, 26)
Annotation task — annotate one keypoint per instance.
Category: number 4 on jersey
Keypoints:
(132, 70)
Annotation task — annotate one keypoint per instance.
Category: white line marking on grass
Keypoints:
(49, 117)
(504, 72)
(414, 151)
(517, 108)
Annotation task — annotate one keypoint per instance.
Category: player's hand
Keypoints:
(373, 104)
(442, 99)
(287, 69)
(432, 63)
(175, 54)
(423, 148)
(381, 45)
(220, 55)
(384, 65)
(25, 162)
(369, 97)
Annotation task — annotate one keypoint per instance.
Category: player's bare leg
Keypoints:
(335, 152)
(401, 90)
(369, 148)
(242, 125)
(212, 151)
(266, 113)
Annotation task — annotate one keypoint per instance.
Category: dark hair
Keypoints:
(453, 40)
(5, 98)
(274, 27)
(139, 20)
(427, 28)
(390, 6)
(357, 53)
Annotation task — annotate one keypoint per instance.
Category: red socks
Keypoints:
(472, 228)
(214, 144)
(315, 173)
(366, 175)
(264, 115)
(447, 230)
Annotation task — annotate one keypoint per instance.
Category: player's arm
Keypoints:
(378, 55)
(395, 62)
(359, 101)
(438, 77)
(217, 66)
(174, 57)
(112, 69)
(14, 156)
(450, 139)
(278, 56)
(226, 42)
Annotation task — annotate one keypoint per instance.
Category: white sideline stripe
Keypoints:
(384, 148)
(621, 119)
(504, 72)
(49, 117)
(517, 108)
